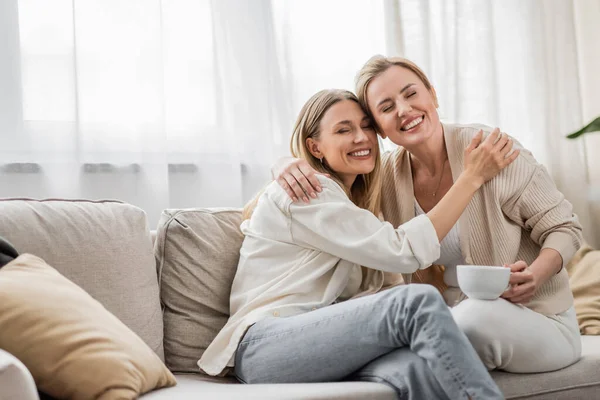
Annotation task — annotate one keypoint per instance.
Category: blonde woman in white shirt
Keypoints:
(307, 303)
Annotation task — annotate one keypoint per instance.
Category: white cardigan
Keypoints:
(298, 257)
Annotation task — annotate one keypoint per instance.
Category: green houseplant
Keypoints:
(593, 126)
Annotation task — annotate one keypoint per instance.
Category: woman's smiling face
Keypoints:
(404, 109)
(347, 141)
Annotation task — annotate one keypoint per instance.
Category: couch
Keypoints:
(170, 286)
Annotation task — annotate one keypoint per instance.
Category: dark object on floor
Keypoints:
(7, 252)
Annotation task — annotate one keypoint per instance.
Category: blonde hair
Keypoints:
(376, 66)
(366, 189)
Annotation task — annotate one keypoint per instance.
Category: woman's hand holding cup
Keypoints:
(523, 283)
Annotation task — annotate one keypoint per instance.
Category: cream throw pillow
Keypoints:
(584, 273)
(73, 347)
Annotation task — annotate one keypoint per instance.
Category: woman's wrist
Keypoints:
(546, 265)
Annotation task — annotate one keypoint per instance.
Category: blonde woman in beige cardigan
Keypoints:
(519, 219)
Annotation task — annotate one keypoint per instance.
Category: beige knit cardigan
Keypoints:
(511, 218)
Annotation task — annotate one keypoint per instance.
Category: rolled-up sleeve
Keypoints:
(543, 210)
(333, 224)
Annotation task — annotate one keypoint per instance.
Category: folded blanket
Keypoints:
(584, 274)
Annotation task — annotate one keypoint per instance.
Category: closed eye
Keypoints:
(411, 95)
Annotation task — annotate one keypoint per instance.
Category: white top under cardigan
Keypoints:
(450, 254)
(298, 257)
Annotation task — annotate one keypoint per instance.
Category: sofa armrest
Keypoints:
(16, 382)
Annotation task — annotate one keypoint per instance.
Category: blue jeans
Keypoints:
(404, 337)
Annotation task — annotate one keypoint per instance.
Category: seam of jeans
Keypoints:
(450, 366)
(447, 362)
(456, 373)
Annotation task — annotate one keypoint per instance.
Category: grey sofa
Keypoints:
(171, 289)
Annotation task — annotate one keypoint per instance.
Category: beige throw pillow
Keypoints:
(584, 273)
(197, 252)
(73, 347)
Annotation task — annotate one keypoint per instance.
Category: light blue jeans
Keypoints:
(404, 337)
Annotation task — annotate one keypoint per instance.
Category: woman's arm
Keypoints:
(525, 280)
(297, 178)
(333, 224)
(540, 208)
(483, 161)
(449, 209)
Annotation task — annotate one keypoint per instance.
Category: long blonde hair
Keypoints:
(366, 189)
(376, 66)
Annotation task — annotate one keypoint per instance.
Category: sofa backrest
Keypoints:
(102, 246)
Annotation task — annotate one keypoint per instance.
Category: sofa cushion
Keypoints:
(197, 252)
(579, 381)
(73, 347)
(102, 246)
(194, 387)
(584, 274)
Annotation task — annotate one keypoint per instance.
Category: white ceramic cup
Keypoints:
(483, 282)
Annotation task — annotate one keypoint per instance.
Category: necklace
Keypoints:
(441, 176)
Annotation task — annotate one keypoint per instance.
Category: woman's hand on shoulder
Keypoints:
(485, 158)
(297, 178)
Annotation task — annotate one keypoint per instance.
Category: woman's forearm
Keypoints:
(546, 265)
(447, 212)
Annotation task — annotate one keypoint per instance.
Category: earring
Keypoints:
(321, 159)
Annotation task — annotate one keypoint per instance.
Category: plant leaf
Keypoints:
(593, 126)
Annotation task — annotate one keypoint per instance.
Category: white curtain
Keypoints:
(165, 103)
(186, 103)
(529, 67)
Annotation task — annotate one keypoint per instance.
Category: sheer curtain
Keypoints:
(172, 103)
(525, 66)
(186, 103)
